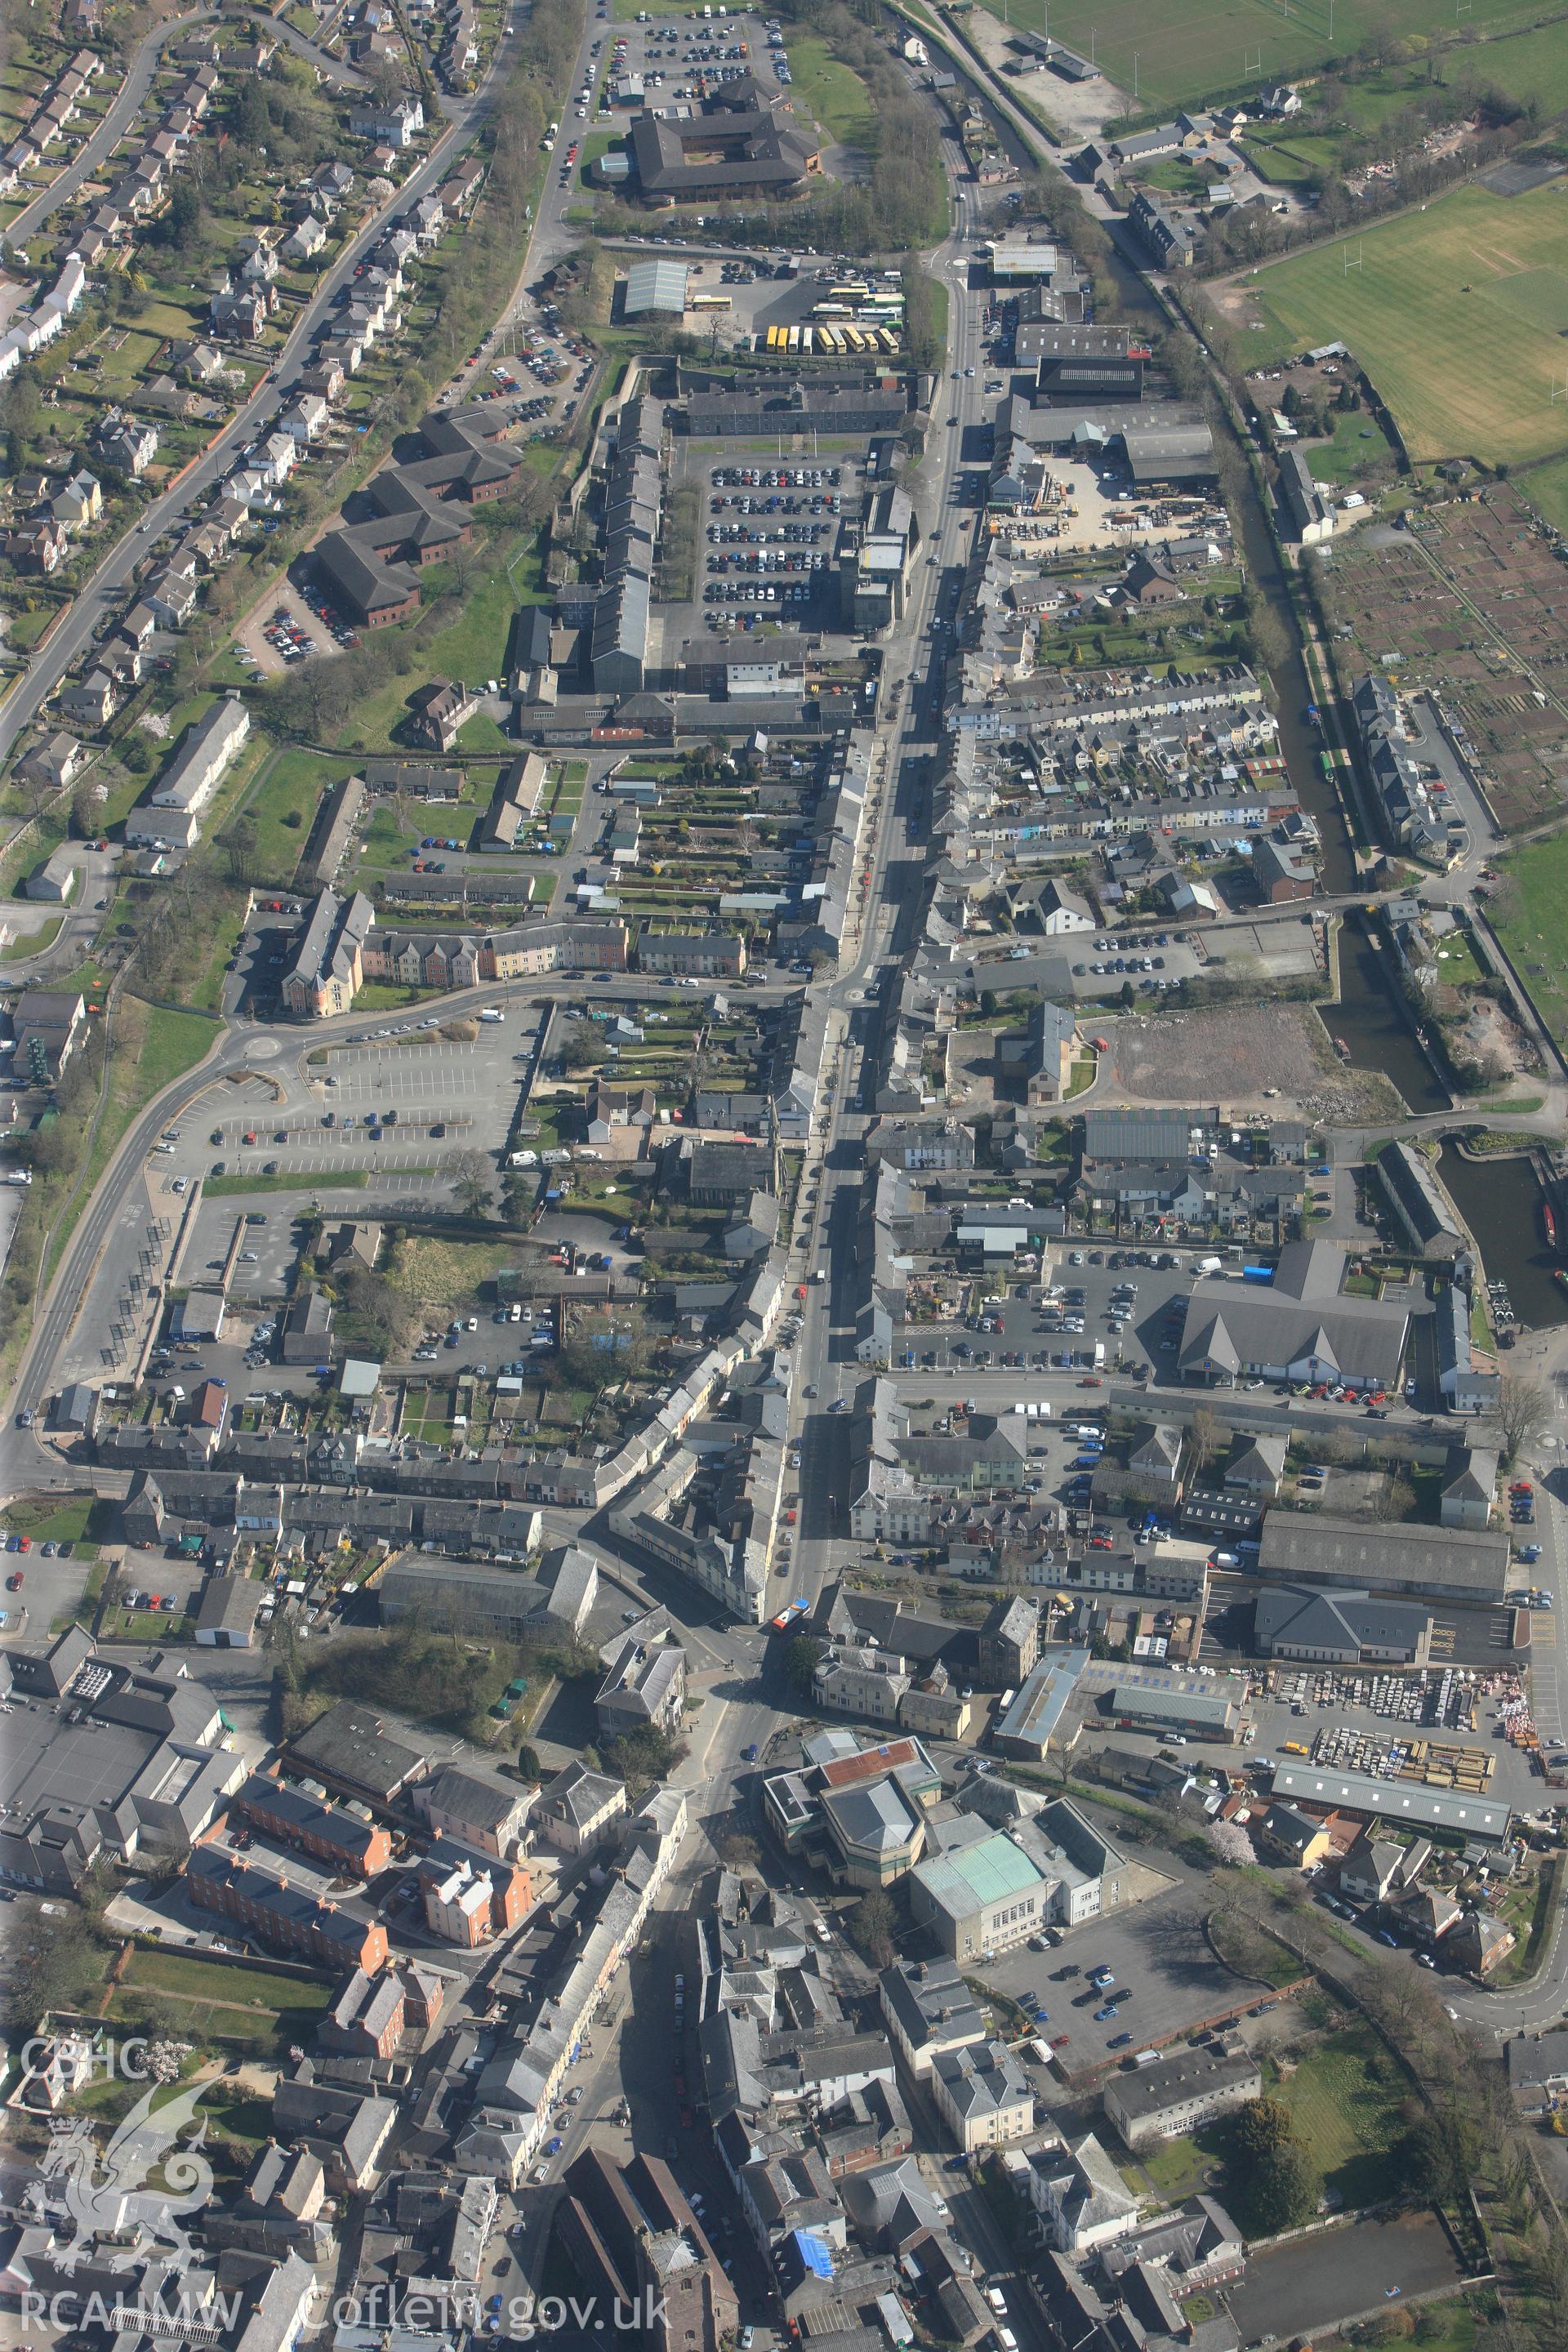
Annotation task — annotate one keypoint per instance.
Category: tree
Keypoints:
(1283, 2191)
(181, 226)
(1262, 2127)
(373, 1312)
(1433, 2158)
(1524, 1408)
(871, 1926)
(472, 1180)
(800, 1661)
(1269, 2171)
(252, 116)
(583, 1045)
(1203, 1435)
(1228, 1843)
(1395, 1498)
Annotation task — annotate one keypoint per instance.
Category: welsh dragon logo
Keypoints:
(118, 2199)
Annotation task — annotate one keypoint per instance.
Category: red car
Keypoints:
(1093, 1381)
(26, 1544)
(1060, 2041)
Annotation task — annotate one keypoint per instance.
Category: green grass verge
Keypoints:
(67, 1522)
(227, 1188)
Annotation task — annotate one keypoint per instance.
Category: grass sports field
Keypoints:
(1212, 45)
(1535, 932)
(1473, 272)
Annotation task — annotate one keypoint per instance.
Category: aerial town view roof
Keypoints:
(782, 1466)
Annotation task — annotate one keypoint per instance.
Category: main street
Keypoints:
(908, 750)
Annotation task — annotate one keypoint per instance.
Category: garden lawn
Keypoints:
(1344, 2099)
(1546, 488)
(1357, 444)
(1469, 269)
(1176, 2168)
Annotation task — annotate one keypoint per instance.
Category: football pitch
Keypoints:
(1459, 312)
(1212, 47)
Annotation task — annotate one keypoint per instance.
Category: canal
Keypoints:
(1371, 1019)
(1499, 1199)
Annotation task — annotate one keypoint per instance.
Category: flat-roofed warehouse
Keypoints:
(1020, 262)
(1392, 1800)
(655, 288)
(1169, 1707)
(1453, 1564)
(817, 407)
